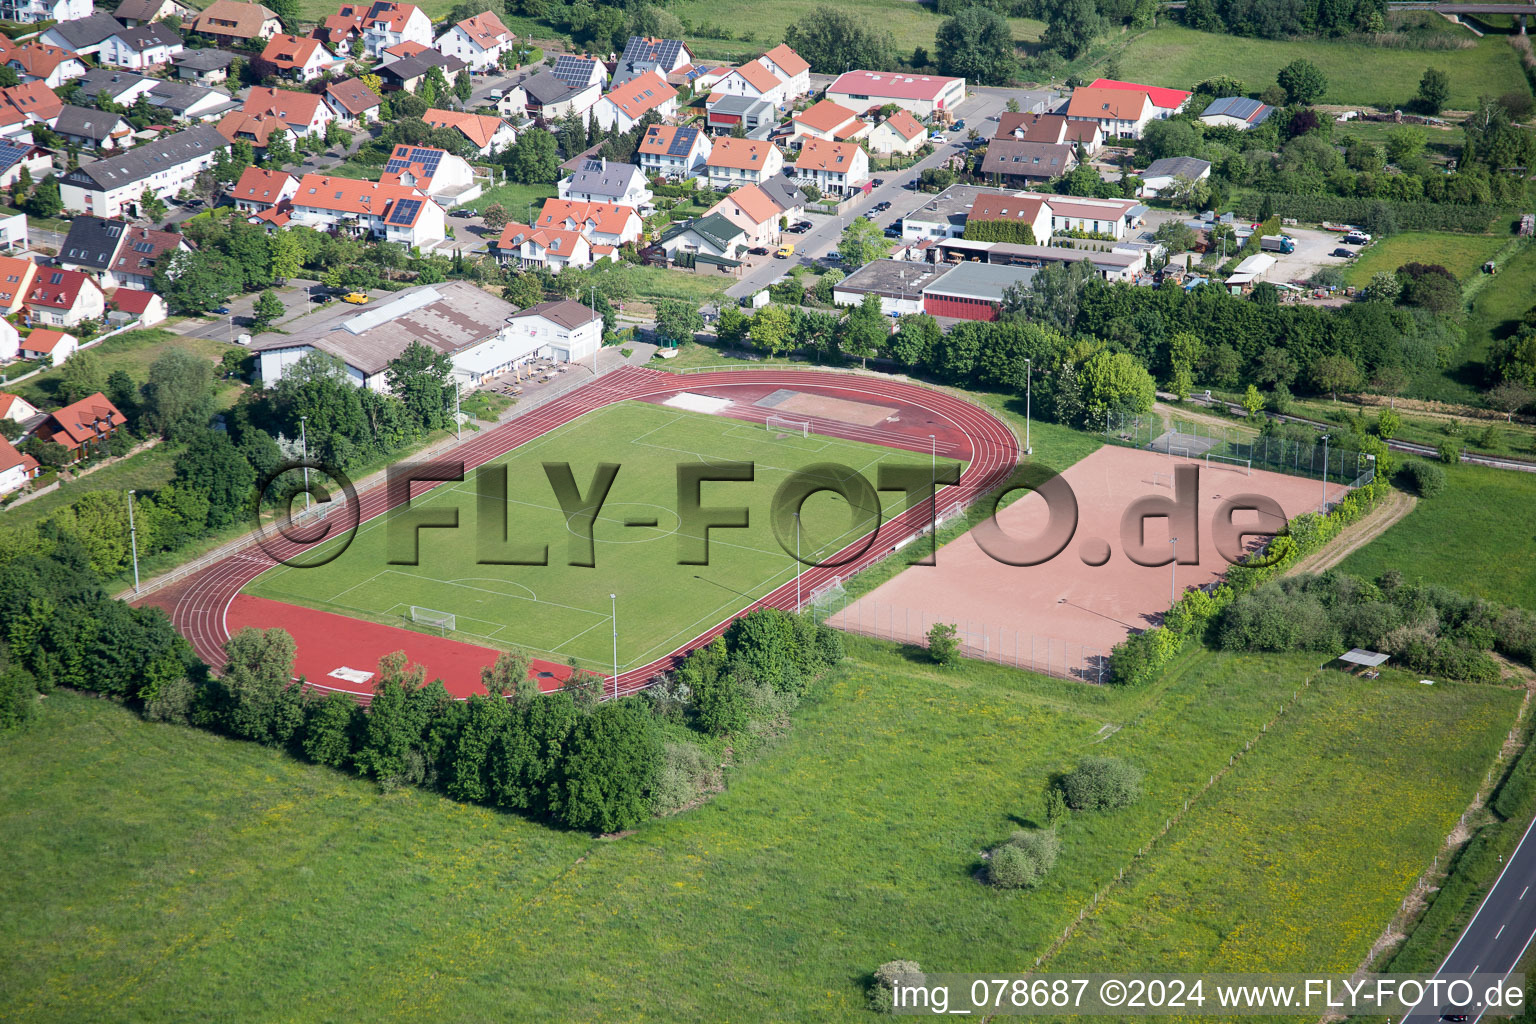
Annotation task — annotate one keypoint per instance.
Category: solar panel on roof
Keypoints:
(682, 141)
(404, 212)
(573, 70)
(12, 153)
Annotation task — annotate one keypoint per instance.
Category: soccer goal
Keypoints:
(1162, 480)
(782, 426)
(954, 511)
(1243, 466)
(445, 622)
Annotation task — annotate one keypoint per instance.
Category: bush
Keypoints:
(18, 697)
(1025, 860)
(687, 773)
(1450, 452)
(943, 643)
(883, 986)
(1102, 784)
(610, 769)
(1426, 478)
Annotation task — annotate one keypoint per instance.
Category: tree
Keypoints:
(1434, 90)
(178, 394)
(422, 378)
(1252, 401)
(863, 241)
(257, 675)
(215, 468)
(977, 44)
(495, 216)
(1509, 398)
(48, 453)
(508, 674)
(770, 329)
(195, 282)
(46, 201)
(1176, 236)
(676, 322)
(865, 329)
(532, 160)
(279, 151)
(1102, 784)
(1115, 380)
(1303, 83)
(121, 391)
(943, 643)
(463, 88)
(1072, 28)
(1335, 373)
(916, 337)
(1390, 381)
(610, 767)
(832, 40)
(920, 58)
(83, 376)
(268, 308)
(1405, 142)
(732, 325)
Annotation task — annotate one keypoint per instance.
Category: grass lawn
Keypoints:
(156, 870)
(145, 471)
(1462, 255)
(1175, 56)
(1476, 536)
(514, 198)
(564, 611)
(1496, 310)
(655, 283)
(132, 351)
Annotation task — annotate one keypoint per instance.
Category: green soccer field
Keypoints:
(561, 610)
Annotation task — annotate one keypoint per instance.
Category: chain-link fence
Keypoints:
(984, 641)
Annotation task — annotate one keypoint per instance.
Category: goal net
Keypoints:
(443, 622)
(782, 426)
(827, 597)
(1162, 480)
(1243, 466)
(954, 511)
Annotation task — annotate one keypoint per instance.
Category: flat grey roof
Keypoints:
(1370, 659)
(982, 280)
(893, 278)
(954, 202)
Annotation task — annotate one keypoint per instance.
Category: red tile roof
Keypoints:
(759, 77)
(132, 300)
(296, 108)
(477, 128)
(884, 85)
(485, 29)
(390, 16)
(753, 202)
(1161, 97)
(821, 155)
(10, 458)
(741, 154)
(905, 125)
(16, 276)
(54, 288)
(638, 95)
(85, 420)
(826, 116)
(289, 53)
(351, 195)
(257, 128)
(605, 218)
(142, 247)
(1107, 104)
(36, 59)
(1000, 206)
(790, 61)
(34, 98)
(352, 96)
(44, 340)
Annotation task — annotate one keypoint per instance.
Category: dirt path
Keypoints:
(1168, 412)
(1357, 535)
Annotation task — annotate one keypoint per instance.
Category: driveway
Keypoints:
(227, 327)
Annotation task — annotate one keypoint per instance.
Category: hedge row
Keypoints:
(1473, 218)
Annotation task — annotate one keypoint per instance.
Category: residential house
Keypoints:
(626, 104)
(489, 135)
(568, 331)
(112, 186)
(91, 244)
(601, 223)
(1018, 163)
(754, 81)
(84, 426)
(14, 235)
(205, 67)
(387, 24)
(304, 112)
(901, 134)
(33, 101)
(257, 129)
(712, 235)
(132, 265)
(28, 12)
(513, 104)
(1051, 129)
(598, 181)
(786, 194)
(580, 70)
(183, 101)
(10, 347)
(447, 179)
(16, 276)
(829, 122)
(261, 189)
(834, 167)
(791, 68)
(134, 13)
(549, 97)
(408, 73)
(53, 347)
(1098, 216)
(391, 212)
(121, 87)
(83, 36)
(64, 298)
(478, 41)
(1117, 112)
(1238, 112)
(23, 155)
(16, 469)
(920, 95)
(39, 62)
(756, 117)
(302, 60)
(144, 308)
(673, 151)
(352, 102)
(229, 22)
(341, 29)
(1163, 175)
(1026, 208)
(1165, 102)
(90, 128)
(145, 48)
(736, 162)
(752, 210)
(551, 248)
(643, 54)
(14, 407)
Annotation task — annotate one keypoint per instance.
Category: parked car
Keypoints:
(356, 298)
(893, 232)
(758, 250)
(785, 251)
(1356, 238)
(319, 297)
(1342, 253)
(803, 225)
(877, 182)
(834, 257)
(221, 310)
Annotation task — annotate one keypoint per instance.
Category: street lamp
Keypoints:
(798, 563)
(1325, 469)
(133, 542)
(304, 440)
(613, 616)
(1173, 576)
(1028, 382)
(457, 422)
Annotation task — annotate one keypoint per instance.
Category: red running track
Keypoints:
(200, 606)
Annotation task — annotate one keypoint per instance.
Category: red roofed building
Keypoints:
(84, 426)
(735, 162)
(552, 248)
(133, 265)
(627, 104)
(144, 307)
(46, 344)
(751, 209)
(395, 213)
(754, 81)
(1122, 112)
(828, 121)
(33, 100)
(900, 133)
(446, 178)
(38, 62)
(387, 24)
(15, 408)
(261, 189)
(673, 151)
(791, 67)
(920, 95)
(16, 276)
(1167, 101)
(63, 298)
(1025, 208)
(351, 101)
(16, 469)
(835, 167)
(479, 41)
(300, 59)
(341, 28)
(257, 129)
(489, 135)
(306, 113)
(601, 223)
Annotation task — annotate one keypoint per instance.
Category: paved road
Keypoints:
(1501, 930)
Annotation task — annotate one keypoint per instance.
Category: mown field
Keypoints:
(1476, 536)
(157, 871)
(1357, 73)
(133, 352)
(1462, 255)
